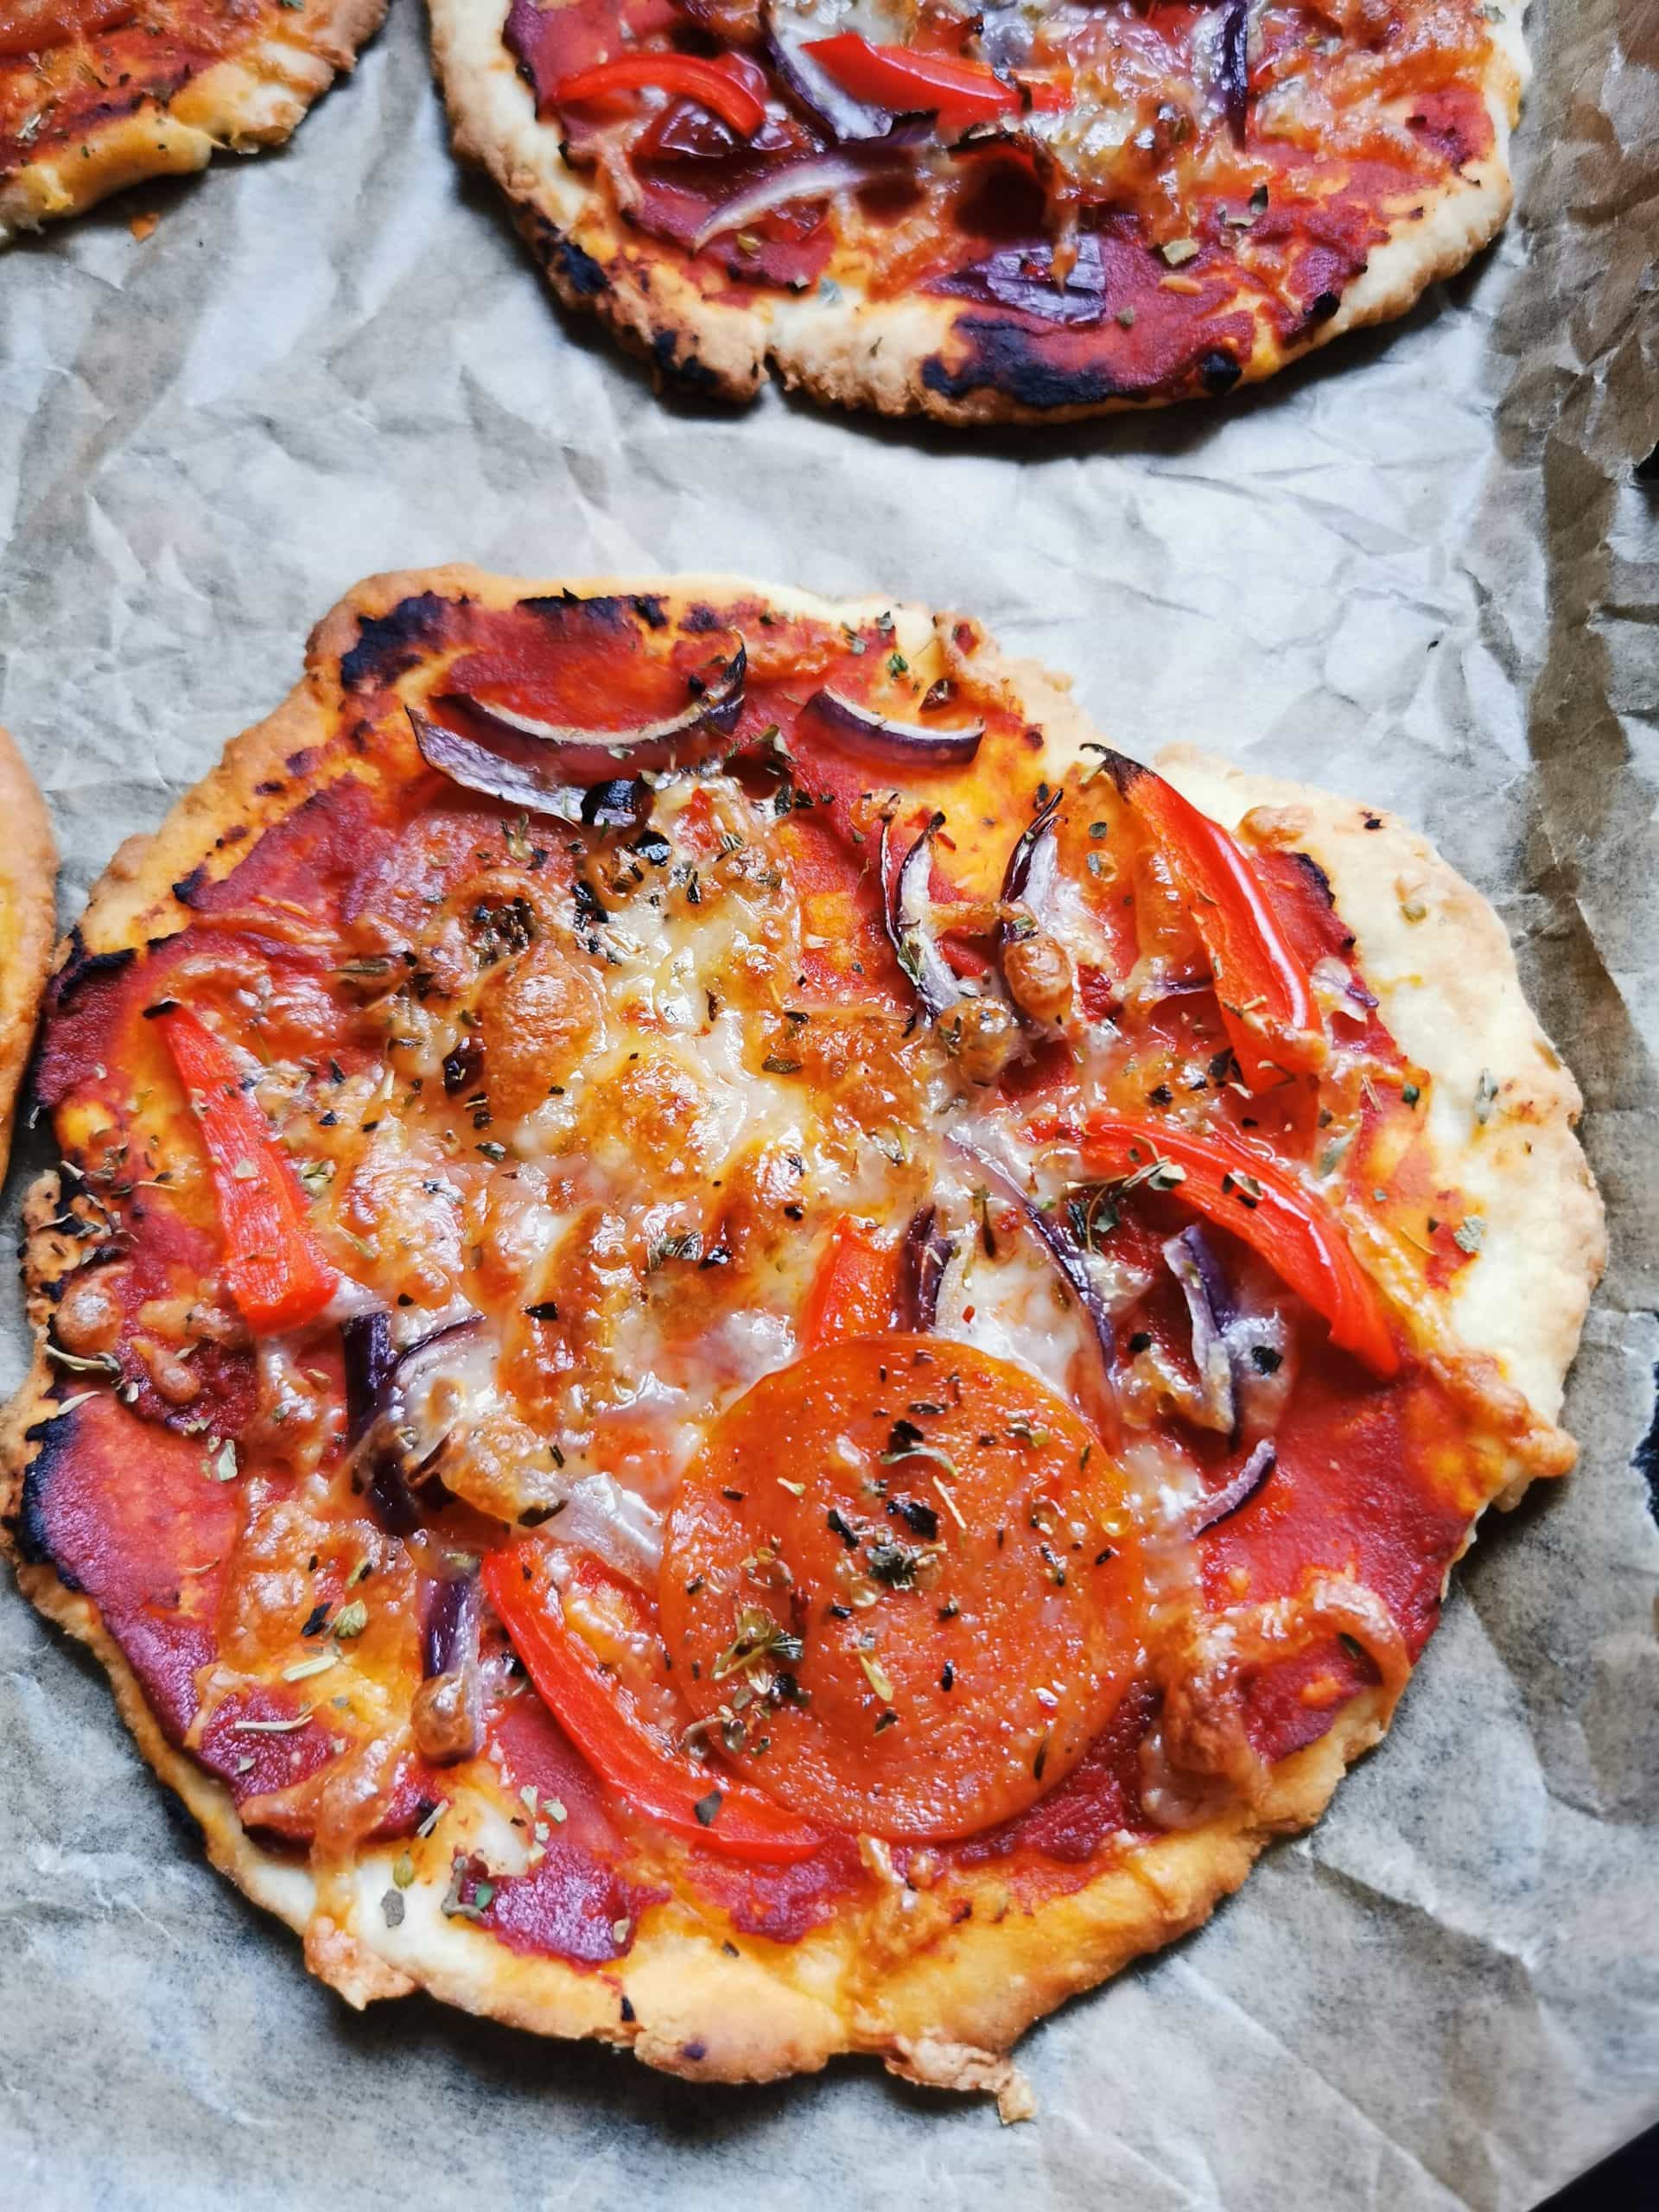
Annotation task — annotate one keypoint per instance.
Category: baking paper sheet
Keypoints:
(1422, 571)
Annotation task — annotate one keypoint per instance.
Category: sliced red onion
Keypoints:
(1030, 873)
(448, 1714)
(878, 737)
(908, 904)
(525, 762)
(395, 1451)
(792, 25)
(1261, 1462)
(1253, 1345)
(818, 178)
(1190, 1260)
(923, 1258)
(1234, 73)
(1063, 1248)
(1029, 877)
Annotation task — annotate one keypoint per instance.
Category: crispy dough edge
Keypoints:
(252, 99)
(947, 2015)
(852, 351)
(29, 876)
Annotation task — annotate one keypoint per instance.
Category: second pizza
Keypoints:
(1016, 213)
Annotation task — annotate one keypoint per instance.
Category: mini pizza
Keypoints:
(1012, 212)
(28, 874)
(96, 94)
(743, 1349)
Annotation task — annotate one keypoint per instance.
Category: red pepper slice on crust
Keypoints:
(276, 1275)
(714, 85)
(1265, 992)
(599, 1715)
(1294, 1232)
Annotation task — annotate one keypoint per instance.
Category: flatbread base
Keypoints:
(945, 2012)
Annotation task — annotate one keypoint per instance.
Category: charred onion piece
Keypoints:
(1234, 74)
(878, 737)
(623, 804)
(908, 906)
(1260, 1463)
(368, 1357)
(923, 1258)
(448, 1715)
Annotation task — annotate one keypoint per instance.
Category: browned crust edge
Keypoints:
(28, 876)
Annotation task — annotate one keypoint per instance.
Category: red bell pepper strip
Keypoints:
(894, 77)
(853, 1290)
(1265, 992)
(1298, 1235)
(596, 1712)
(276, 1275)
(722, 91)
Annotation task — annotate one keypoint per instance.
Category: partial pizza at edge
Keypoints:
(98, 94)
(880, 1223)
(28, 874)
(1132, 207)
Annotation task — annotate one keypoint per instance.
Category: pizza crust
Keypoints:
(854, 350)
(28, 874)
(252, 99)
(945, 2011)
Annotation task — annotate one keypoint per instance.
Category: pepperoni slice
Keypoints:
(901, 1582)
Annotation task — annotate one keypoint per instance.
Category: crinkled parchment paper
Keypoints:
(1423, 570)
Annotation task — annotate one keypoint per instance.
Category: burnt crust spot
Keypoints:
(1219, 370)
(606, 611)
(1318, 881)
(1324, 308)
(585, 276)
(1005, 358)
(690, 375)
(388, 646)
(82, 967)
(33, 1541)
(185, 889)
